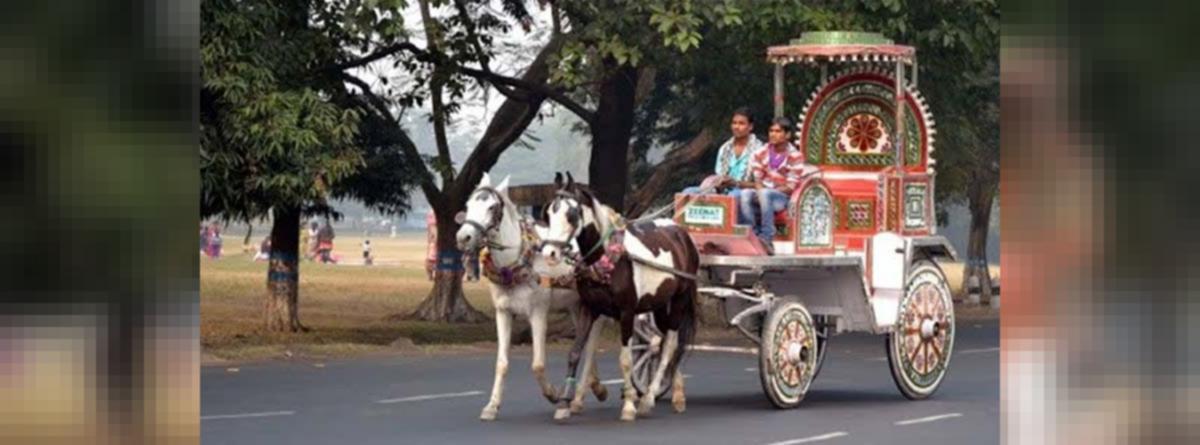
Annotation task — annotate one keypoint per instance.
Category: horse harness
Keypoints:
(517, 273)
(613, 244)
(521, 271)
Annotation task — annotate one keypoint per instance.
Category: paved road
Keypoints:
(436, 399)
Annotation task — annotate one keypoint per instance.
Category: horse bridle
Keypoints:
(573, 214)
(497, 215)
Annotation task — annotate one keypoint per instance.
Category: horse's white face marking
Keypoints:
(646, 280)
(561, 228)
(479, 207)
(479, 210)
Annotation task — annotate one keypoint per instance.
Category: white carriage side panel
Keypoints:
(888, 259)
(784, 247)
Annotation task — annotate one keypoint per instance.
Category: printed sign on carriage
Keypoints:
(707, 215)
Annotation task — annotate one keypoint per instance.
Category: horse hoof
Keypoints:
(644, 409)
(577, 407)
(601, 392)
(680, 405)
(488, 414)
(628, 415)
(562, 414)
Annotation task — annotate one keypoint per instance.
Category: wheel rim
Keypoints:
(645, 358)
(793, 355)
(925, 333)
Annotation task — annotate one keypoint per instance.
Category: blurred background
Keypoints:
(1099, 327)
(99, 311)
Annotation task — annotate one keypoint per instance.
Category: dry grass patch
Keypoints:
(346, 306)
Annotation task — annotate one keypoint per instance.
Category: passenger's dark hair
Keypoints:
(744, 112)
(783, 122)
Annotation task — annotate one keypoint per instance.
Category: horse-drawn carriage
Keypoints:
(857, 248)
(856, 252)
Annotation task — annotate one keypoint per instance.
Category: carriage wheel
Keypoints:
(647, 353)
(919, 346)
(788, 355)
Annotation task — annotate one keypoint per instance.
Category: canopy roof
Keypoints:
(841, 46)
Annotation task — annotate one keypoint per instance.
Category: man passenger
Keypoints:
(732, 170)
(777, 170)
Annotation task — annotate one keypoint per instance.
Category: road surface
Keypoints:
(437, 399)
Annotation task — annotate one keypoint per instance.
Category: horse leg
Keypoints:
(537, 324)
(589, 370)
(598, 388)
(503, 336)
(678, 401)
(583, 326)
(628, 410)
(667, 352)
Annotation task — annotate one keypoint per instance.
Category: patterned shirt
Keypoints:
(786, 176)
(734, 166)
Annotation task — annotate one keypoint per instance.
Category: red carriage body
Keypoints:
(857, 248)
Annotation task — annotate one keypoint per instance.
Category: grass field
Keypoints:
(347, 306)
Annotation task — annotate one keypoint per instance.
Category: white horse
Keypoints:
(493, 221)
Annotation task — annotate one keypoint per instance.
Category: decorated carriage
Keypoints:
(857, 247)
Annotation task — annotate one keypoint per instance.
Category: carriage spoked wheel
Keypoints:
(788, 354)
(647, 353)
(919, 346)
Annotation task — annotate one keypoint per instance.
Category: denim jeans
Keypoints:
(735, 193)
(763, 204)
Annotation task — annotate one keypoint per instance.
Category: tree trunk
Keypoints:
(282, 308)
(446, 301)
(608, 168)
(654, 187)
(980, 204)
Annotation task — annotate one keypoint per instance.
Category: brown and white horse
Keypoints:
(492, 220)
(614, 280)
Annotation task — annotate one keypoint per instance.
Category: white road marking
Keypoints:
(976, 351)
(751, 369)
(248, 415)
(431, 397)
(827, 436)
(715, 348)
(928, 419)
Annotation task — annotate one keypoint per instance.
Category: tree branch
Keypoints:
(380, 107)
(555, 94)
(434, 36)
(509, 121)
(506, 85)
(675, 160)
(484, 59)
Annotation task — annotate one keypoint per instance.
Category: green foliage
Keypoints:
(274, 131)
(697, 87)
